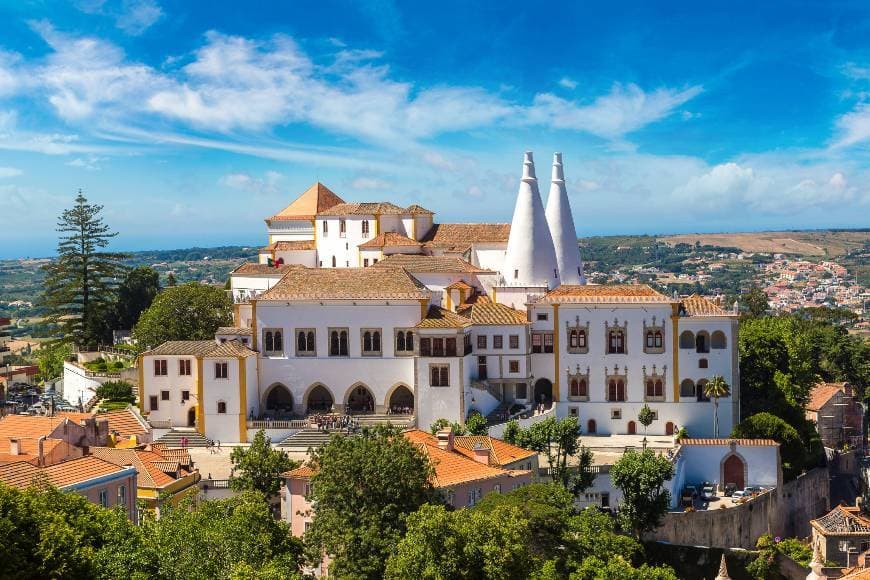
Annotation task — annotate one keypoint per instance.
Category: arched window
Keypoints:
(365, 227)
(279, 341)
(325, 228)
(654, 388)
(658, 339)
(687, 339)
(700, 390)
(269, 345)
(333, 261)
(581, 338)
(342, 343)
(687, 388)
(616, 342)
(309, 341)
(409, 340)
(578, 387)
(616, 390)
(650, 339)
(400, 340)
(702, 343)
(301, 342)
(591, 426)
(367, 341)
(221, 407)
(342, 228)
(376, 341)
(333, 343)
(718, 340)
(573, 338)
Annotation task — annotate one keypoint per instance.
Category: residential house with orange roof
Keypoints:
(836, 410)
(465, 473)
(49, 440)
(101, 482)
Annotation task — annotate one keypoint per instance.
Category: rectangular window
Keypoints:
(306, 345)
(338, 345)
(572, 411)
(307, 526)
(514, 366)
(160, 367)
(521, 391)
(365, 262)
(439, 375)
(548, 342)
(220, 370)
(497, 488)
(273, 342)
(514, 341)
(404, 341)
(325, 229)
(481, 341)
(437, 347)
(185, 396)
(104, 498)
(122, 495)
(222, 408)
(184, 367)
(152, 402)
(342, 228)
(616, 414)
(542, 342)
(371, 341)
(450, 346)
(498, 342)
(542, 316)
(425, 347)
(365, 227)
(164, 395)
(482, 374)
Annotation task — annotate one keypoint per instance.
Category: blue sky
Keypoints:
(192, 121)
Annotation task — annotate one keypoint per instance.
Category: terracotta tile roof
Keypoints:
(147, 463)
(313, 200)
(365, 208)
(696, 305)
(438, 317)
(64, 474)
(501, 453)
(389, 239)
(290, 246)
(610, 294)
(124, 422)
(28, 449)
(460, 237)
(251, 269)
(28, 427)
(301, 472)
(418, 263)
(419, 209)
(488, 313)
(459, 285)
(724, 441)
(76, 417)
(843, 521)
(347, 283)
(203, 348)
(822, 393)
(235, 330)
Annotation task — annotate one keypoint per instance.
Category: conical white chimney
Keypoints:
(562, 230)
(530, 259)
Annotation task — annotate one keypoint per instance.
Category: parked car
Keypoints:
(730, 488)
(708, 493)
(754, 489)
(740, 496)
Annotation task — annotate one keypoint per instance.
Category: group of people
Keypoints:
(334, 422)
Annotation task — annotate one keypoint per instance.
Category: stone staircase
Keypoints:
(305, 438)
(498, 414)
(400, 421)
(173, 438)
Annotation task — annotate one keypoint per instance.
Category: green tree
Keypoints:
(645, 417)
(135, 295)
(476, 424)
(189, 312)
(438, 425)
(795, 456)
(754, 302)
(79, 286)
(116, 391)
(715, 389)
(641, 476)
(259, 466)
(170, 280)
(50, 359)
(361, 494)
(558, 440)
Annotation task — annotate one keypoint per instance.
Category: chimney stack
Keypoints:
(481, 453)
(561, 223)
(40, 447)
(445, 439)
(14, 447)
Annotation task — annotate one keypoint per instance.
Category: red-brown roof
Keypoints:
(124, 422)
(460, 237)
(696, 305)
(822, 393)
(64, 474)
(616, 293)
(389, 240)
(315, 199)
(290, 246)
(723, 441)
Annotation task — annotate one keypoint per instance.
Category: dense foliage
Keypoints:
(641, 476)
(135, 295)
(120, 391)
(362, 492)
(259, 466)
(188, 312)
(50, 359)
(795, 455)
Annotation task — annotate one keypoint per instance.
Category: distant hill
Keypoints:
(819, 243)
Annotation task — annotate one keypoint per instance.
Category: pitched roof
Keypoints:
(438, 317)
(251, 269)
(347, 283)
(364, 208)
(430, 264)
(696, 305)
(235, 330)
(415, 209)
(28, 449)
(610, 294)
(459, 285)
(387, 240)
(724, 441)
(460, 237)
(489, 313)
(152, 467)
(501, 453)
(313, 200)
(204, 348)
(28, 427)
(822, 393)
(64, 474)
(125, 422)
(290, 246)
(843, 521)
(303, 472)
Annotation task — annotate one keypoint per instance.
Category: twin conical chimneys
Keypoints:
(530, 259)
(542, 247)
(561, 224)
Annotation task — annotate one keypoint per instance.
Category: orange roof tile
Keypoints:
(822, 393)
(696, 305)
(64, 474)
(124, 422)
(610, 294)
(364, 208)
(235, 330)
(438, 317)
(459, 285)
(724, 441)
(419, 209)
(251, 269)
(388, 240)
(147, 463)
(347, 283)
(28, 427)
(313, 200)
(460, 237)
(489, 313)
(203, 348)
(290, 246)
(418, 263)
(452, 468)
(500, 452)
(302, 472)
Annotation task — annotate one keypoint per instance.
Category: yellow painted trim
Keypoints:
(377, 224)
(270, 240)
(556, 335)
(424, 307)
(493, 294)
(413, 227)
(675, 344)
(449, 299)
(142, 383)
(237, 314)
(200, 396)
(253, 324)
(243, 399)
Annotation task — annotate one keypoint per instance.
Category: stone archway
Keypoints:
(401, 401)
(669, 428)
(319, 400)
(279, 402)
(734, 470)
(543, 392)
(632, 428)
(360, 400)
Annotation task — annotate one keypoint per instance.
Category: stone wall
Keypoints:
(781, 512)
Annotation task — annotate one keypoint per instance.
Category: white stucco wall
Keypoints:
(703, 463)
(174, 409)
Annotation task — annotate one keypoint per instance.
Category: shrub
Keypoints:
(120, 391)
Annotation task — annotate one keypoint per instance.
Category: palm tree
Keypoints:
(717, 387)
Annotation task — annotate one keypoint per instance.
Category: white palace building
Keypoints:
(376, 308)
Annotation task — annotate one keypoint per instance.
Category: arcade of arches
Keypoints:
(278, 403)
(319, 400)
(360, 400)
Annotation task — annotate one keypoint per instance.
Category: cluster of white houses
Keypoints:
(375, 308)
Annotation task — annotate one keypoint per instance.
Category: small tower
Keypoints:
(562, 229)
(816, 564)
(723, 570)
(530, 259)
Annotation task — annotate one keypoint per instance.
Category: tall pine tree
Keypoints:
(80, 285)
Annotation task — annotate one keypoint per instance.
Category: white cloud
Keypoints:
(854, 126)
(89, 163)
(132, 16)
(374, 183)
(6, 172)
(568, 83)
(266, 185)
